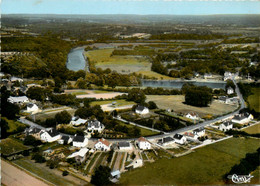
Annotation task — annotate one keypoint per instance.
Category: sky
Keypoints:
(142, 7)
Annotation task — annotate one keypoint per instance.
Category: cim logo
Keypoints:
(240, 178)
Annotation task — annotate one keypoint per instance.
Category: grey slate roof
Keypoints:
(79, 138)
(178, 136)
(227, 123)
(123, 144)
(140, 108)
(199, 129)
(53, 132)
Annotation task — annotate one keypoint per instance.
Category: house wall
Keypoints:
(79, 144)
(100, 145)
(144, 145)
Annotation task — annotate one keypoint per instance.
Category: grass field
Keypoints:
(43, 172)
(121, 64)
(13, 125)
(255, 129)
(119, 102)
(9, 146)
(152, 74)
(205, 166)
(176, 103)
(254, 100)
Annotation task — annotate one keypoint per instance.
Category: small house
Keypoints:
(80, 155)
(115, 175)
(230, 90)
(103, 145)
(14, 79)
(50, 135)
(76, 121)
(31, 107)
(166, 141)
(225, 126)
(180, 139)
(65, 140)
(192, 115)
(199, 131)
(34, 131)
(79, 141)
(242, 118)
(191, 136)
(141, 110)
(124, 145)
(95, 125)
(18, 99)
(143, 143)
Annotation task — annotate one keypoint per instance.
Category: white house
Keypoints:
(80, 155)
(191, 136)
(179, 138)
(65, 140)
(166, 141)
(102, 145)
(18, 100)
(13, 79)
(76, 121)
(227, 75)
(230, 90)
(207, 76)
(141, 110)
(242, 118)
(50, 135)
(124, 146)
(79, 141)
(95, 125)
(136, 163)
(192, 115)
(31, 107)
(199, 131)
(225, 126)
(143, 143)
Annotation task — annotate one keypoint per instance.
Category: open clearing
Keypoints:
(121, 64)
(156, 75)
(52, 175)
(10, 146)
(13, 125)
(254, 100)
(175, 102)
(206, 166)
(11, 175)
(255, 129)
(144, 132)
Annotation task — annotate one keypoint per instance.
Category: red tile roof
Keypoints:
(104, 141)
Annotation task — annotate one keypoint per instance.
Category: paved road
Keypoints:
(13, 176)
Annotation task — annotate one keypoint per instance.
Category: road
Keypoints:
(191, 127)
(11, 175)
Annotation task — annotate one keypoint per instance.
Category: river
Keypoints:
(177, 84)
(76, 60)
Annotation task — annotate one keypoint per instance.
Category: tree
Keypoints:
(31, 140)
(152, 105)
(133, 155)
(136, 95)
(4, 128)
(9, 110)
(231, 84)
(101, 176)
(37, 93)
(38, 158)
(63, 117)
(65, 173)
(198, 98)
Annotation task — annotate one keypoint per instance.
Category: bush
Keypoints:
(65, 173)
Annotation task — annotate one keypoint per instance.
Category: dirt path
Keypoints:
(117, 163)
(94, 164)
(100, 95)
(12, 176)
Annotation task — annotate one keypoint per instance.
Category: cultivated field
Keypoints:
(121, 64)
(205, 166)
(255, 129)
(12, 175)
(10, 146)
(254, 100)
(176, 102)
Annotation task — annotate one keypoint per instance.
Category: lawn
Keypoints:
(13, 125)
(144, 132)
(205, 166)
(253, 100)
(43, 172)
(92, 161)
(176, 102)
(119, 102)
(255, 129)
(122, 64)
(10, 146)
